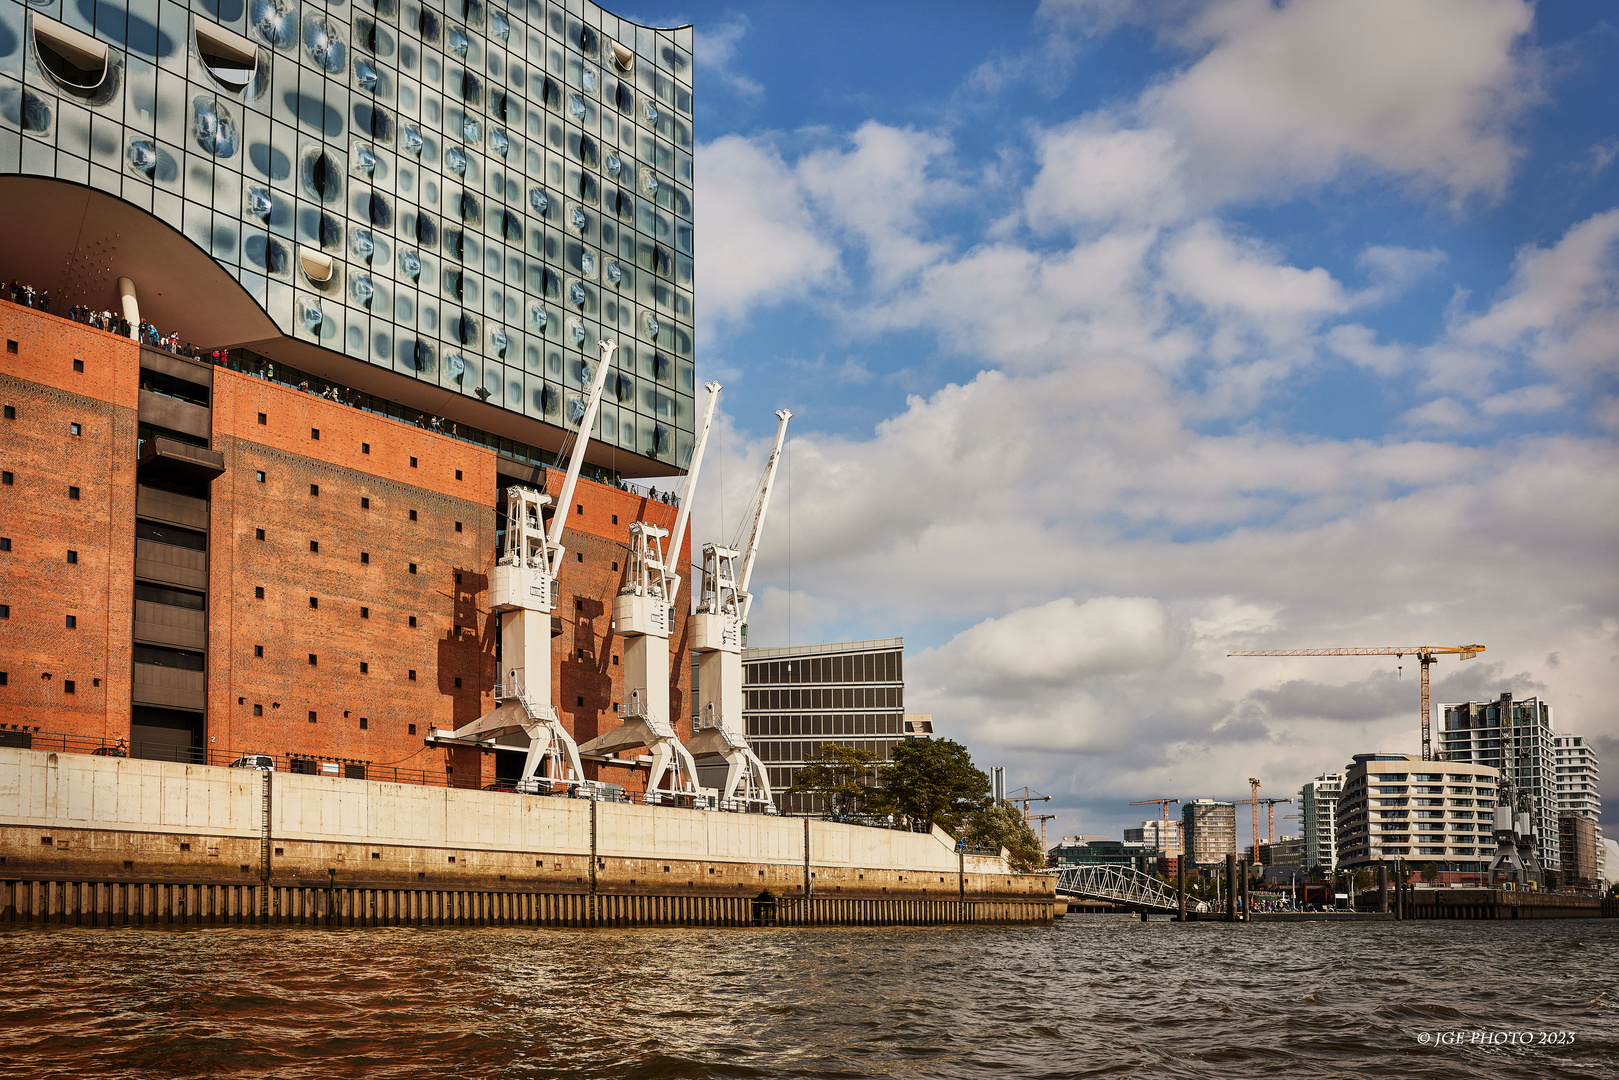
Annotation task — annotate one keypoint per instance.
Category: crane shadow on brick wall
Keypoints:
(466, 652)
(586, 671)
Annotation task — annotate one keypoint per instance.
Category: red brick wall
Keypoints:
(43, 524)
(448, 640)
(42, 588)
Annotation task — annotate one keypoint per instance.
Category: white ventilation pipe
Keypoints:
(132, 307)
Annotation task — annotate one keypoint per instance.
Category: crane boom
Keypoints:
(576, 461)
(523, 591)
(756, 535)
(678, 537)
(1425, 654)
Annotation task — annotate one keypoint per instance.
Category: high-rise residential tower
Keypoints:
(1513, 736)
(1209, 831)
(1318, 800)
(1579, 793)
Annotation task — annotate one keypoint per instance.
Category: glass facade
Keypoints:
(472, 196)
(1516, 738)
(799, 699)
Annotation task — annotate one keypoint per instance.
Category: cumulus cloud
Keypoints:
(1061, 643)
(1281, 96)
(875, 187)
(1092, 170)
(760, 244)
(1561, 306)
(1078, 464)
(717, 48)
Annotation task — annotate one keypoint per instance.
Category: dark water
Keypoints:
(1094, 996)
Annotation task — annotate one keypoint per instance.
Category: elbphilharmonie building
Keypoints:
(445, 207)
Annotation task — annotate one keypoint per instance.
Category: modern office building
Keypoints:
(1580, 845)
(1210, 831)
(1103, 851)
(1516, 737)
(800, 698)
(1283, 853)
(1397, 806)
(1579, 791)
(427, 219)
(1318, 801)
(1164, 836)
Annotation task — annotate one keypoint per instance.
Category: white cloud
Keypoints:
(1061, 642)
(718, 47)
(875, 189)
(1562, 305)
(1359, 344)
(1244, 279)
(759, 241)
(1526, 400)
(1296, 93)
(1284, 96)
(1443, 414)
(1091, 170)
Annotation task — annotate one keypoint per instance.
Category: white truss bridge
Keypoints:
(1123, 885)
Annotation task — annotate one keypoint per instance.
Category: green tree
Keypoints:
(842, 777)
(1430, 872)
(1363, 880)
(934, 780)
(1003, 827)
(1552, 880)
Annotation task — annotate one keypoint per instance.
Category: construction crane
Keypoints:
(1026, 798)
(523, 590)
(1270, 804)
(1163, 837)
(1425, 654)
(718, 630)
(1254, 785)
(643, 615)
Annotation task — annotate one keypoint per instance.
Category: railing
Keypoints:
(354, 769)
(1122, 885)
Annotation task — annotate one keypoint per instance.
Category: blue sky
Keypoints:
(1123, 333)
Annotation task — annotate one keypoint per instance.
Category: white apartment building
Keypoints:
(1576, 786)
(1397, 806)
(1319, 820)
(1162, 835)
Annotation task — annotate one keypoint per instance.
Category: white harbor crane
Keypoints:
(717, 633)
(643, 613)
(523, 590)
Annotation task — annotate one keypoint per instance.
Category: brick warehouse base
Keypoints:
(333, 600)
(99, 841)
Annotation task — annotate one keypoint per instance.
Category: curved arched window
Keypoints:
(77, 61)
(230, 58)
(317, 265)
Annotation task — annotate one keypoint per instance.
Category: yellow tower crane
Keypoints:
(1425, 654)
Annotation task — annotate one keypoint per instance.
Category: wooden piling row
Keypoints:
(126, 903)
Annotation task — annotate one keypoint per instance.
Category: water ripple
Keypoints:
(1096, 996)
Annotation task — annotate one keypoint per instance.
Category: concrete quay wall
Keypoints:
(86, 836)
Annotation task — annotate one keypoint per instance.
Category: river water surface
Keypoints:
(1091, 996)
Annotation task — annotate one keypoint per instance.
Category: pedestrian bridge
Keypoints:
(1123, 885)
